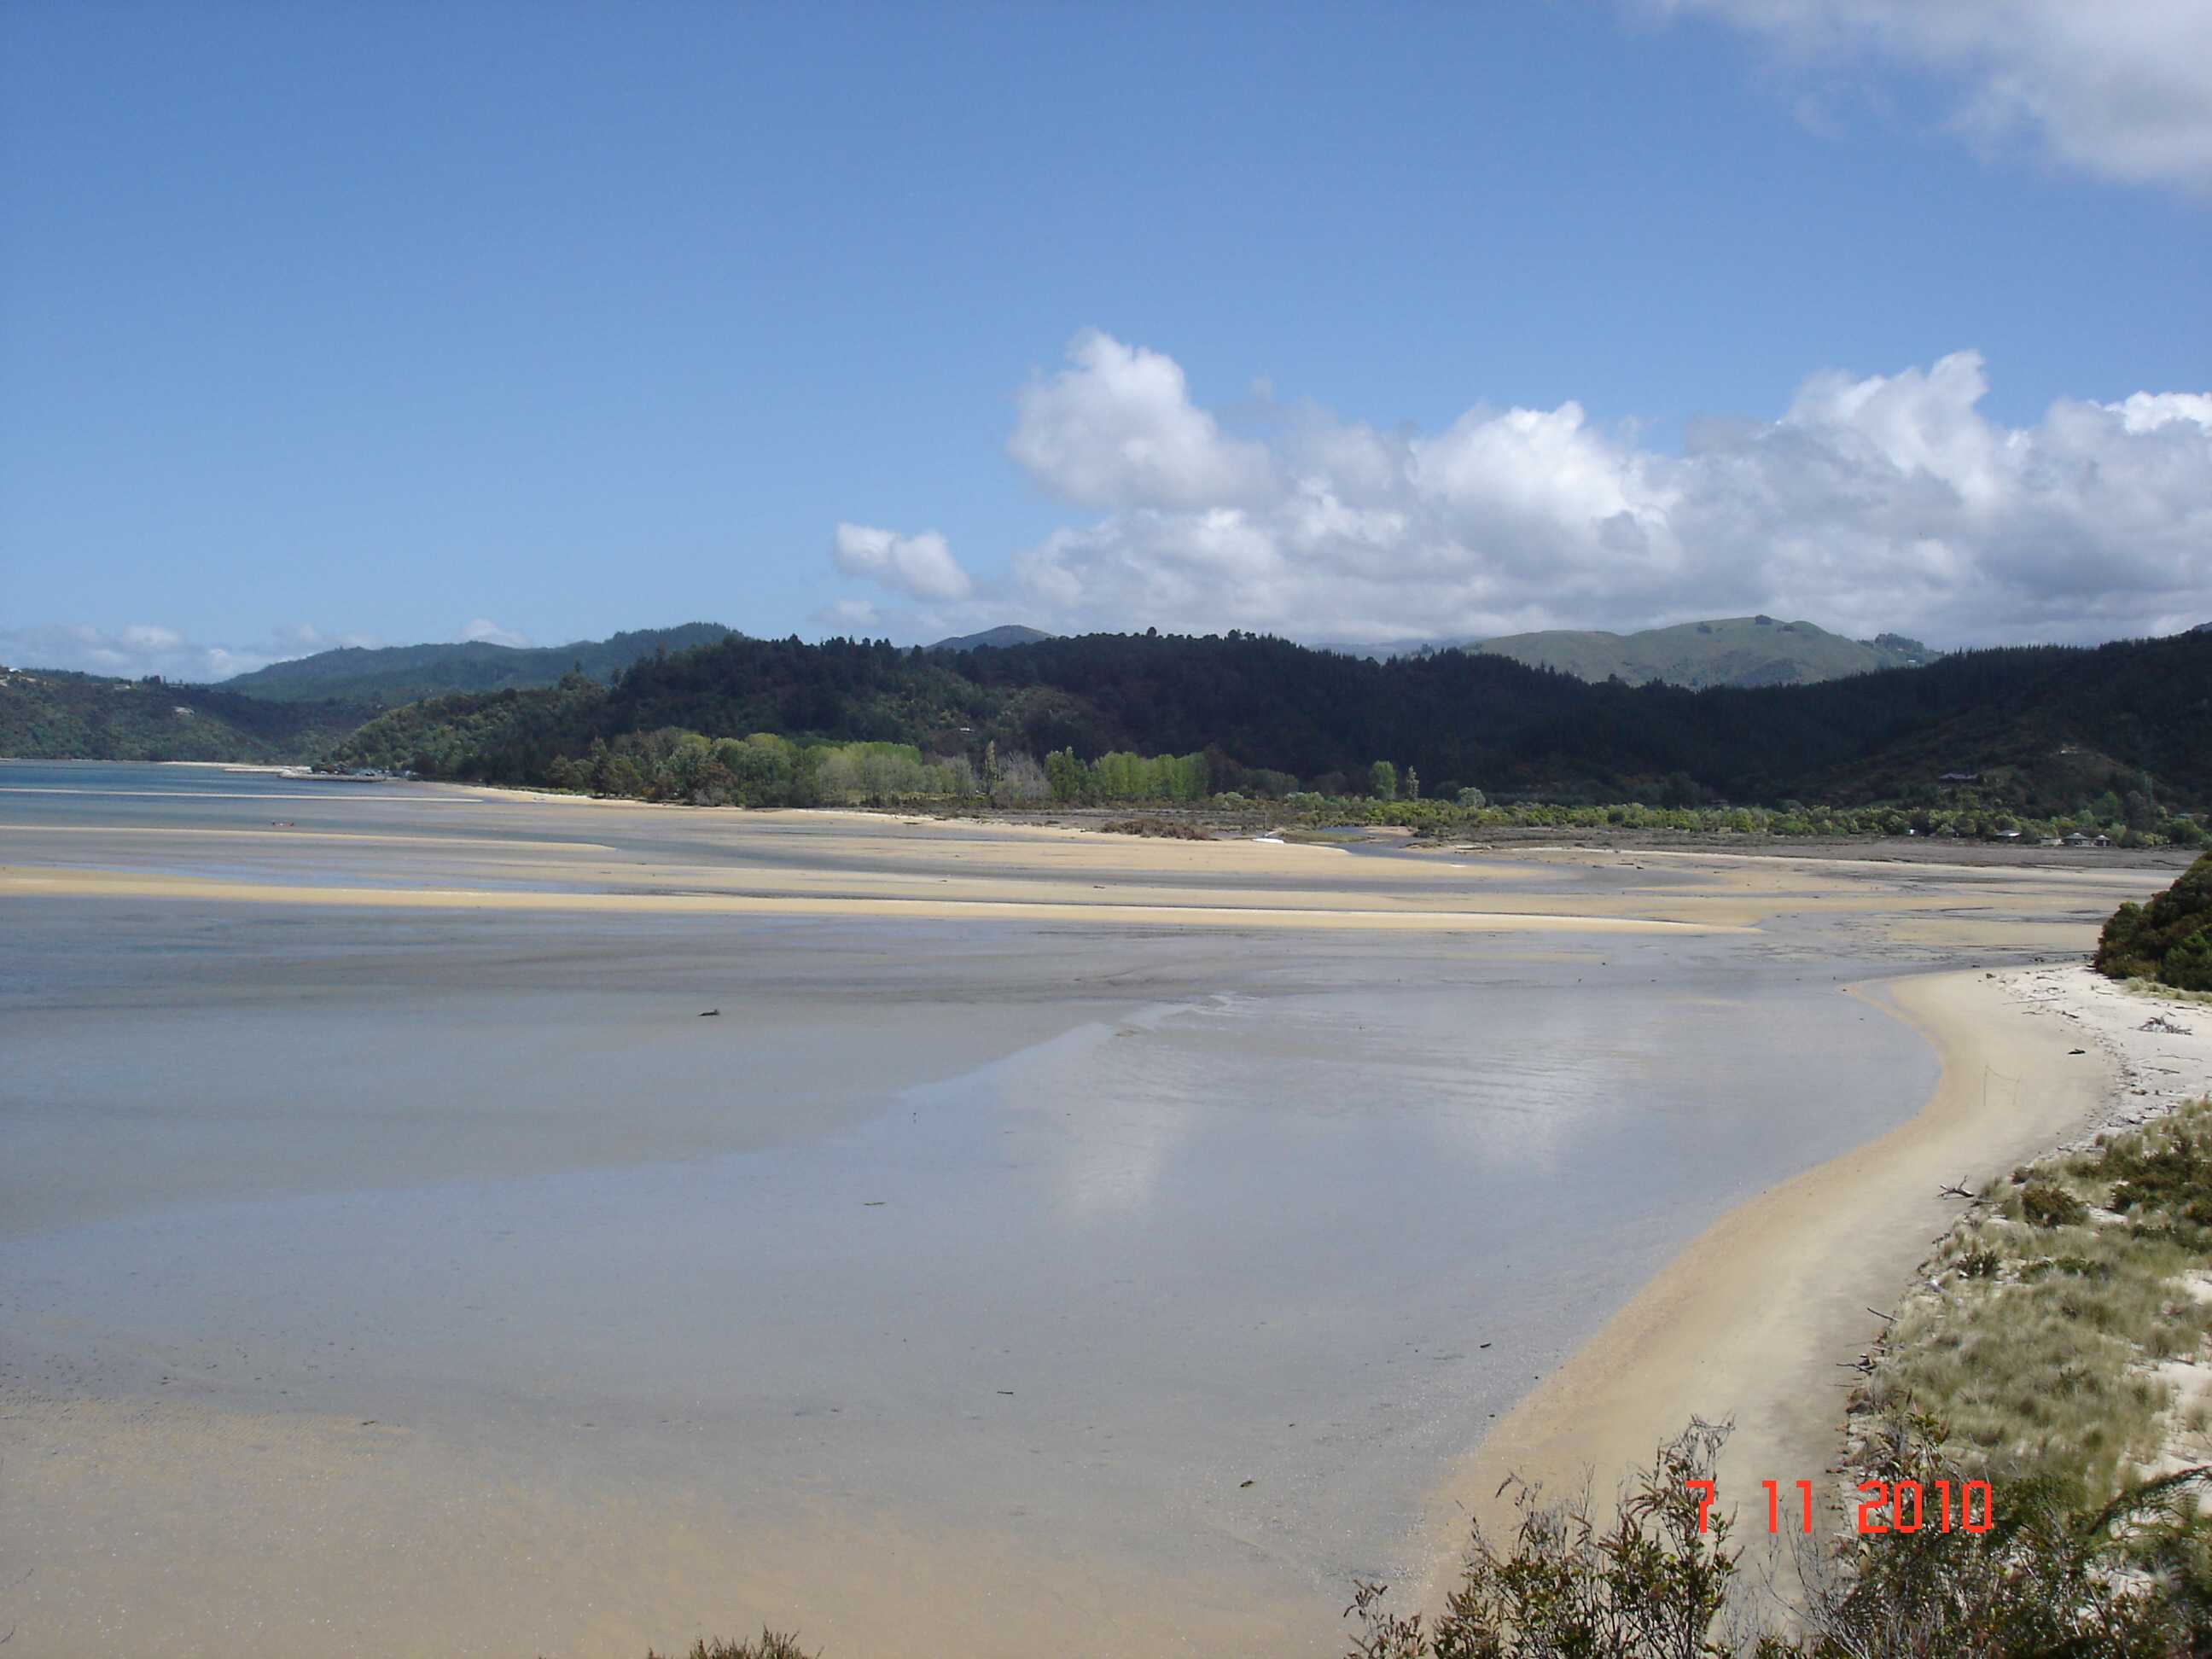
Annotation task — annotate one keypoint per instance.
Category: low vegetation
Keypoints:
(1164, 829)
(2047, 1579)
(2168, 941)
(2058, 1297)
(771, 1645)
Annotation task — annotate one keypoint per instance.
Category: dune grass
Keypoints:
(771, 1645)
(2057, 1297)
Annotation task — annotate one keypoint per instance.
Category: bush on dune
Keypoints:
(2168, 939)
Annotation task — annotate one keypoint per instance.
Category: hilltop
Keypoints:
(394, 674)
(54, 715)
(1746, 651)
(1008, 633)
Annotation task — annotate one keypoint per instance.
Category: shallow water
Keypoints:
(1076, 1229)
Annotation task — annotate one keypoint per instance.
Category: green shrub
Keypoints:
(2048, 1205)
(2169, 940)
(2188, 965)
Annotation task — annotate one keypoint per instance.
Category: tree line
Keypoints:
(2036, 733)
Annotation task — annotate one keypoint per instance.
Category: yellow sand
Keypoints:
(96, 883)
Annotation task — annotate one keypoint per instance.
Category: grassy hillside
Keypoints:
(1746, 651)
(395, 674)
(50, 715)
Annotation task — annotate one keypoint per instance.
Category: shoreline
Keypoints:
(1754, 1319)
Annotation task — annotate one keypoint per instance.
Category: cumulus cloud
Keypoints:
(1870, 503)
(2120, 89)
(483, 629)
(1116, 427)
(921, 566)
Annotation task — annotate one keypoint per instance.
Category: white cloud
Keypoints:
(922, 566)
(1117, 427)
(132, 652)
(1871, 503)
(2121, 89)
(484, 629)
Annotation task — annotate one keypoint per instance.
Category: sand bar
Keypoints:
(92, 884)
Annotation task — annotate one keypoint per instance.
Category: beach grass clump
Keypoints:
(2055, 1305)
(771, 1645)
(1164, 829)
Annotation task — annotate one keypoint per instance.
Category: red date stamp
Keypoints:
(1908, 1506)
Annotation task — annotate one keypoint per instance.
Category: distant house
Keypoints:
(2078, 839)
(2101, 840)
(2051, 841)
(2008, 834)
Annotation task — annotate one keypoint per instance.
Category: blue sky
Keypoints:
(396, 323)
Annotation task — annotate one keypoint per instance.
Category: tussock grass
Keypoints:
(2055, 1302)
(1165, 829)
(2151, 987)
(771, 1645)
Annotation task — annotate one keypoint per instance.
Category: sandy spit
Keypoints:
(15, 880)
(1758, 1319)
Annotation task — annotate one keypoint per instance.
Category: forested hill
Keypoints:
(54, 715)
(390, 675)
(2040, 726)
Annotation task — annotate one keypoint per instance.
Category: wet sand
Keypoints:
(415, 1270)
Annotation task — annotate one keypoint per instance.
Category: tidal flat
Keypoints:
(443, 1221)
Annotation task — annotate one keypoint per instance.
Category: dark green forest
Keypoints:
(2035, 731)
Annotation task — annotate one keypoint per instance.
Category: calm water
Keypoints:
(1077, 1226)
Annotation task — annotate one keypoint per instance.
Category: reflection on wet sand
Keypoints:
(421, 1269)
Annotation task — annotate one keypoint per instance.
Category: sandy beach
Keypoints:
(1757, 1322)
(1052, 1232)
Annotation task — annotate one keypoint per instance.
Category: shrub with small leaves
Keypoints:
(2045, 1204)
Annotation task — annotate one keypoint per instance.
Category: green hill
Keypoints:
(52, 714)
(405, 673)
(1008, 633)
(1745, 651)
